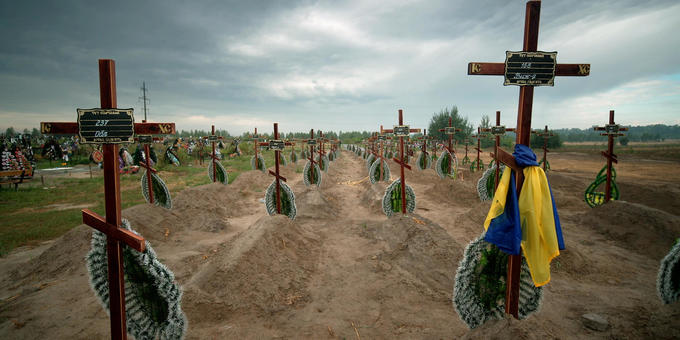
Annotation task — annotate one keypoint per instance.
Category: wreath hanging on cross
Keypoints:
(486, 185)
(391, 201)
(479, 291)
(595, 198)
(375, 171)
(288, 207)
(221, 172)
(153, 300)
(282, 159)
(369, 161)
(312, 174)
(161, 194)
(668, 279)
(447, 165)
(257, 163)
(323, 162)
(423, 161)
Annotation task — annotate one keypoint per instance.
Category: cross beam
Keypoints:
(612, 130)
(498, 131)
(526, 95)
(400, 160)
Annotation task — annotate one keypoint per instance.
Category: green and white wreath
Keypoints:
(288, 207)
(668, 279)
(374, 172)
(257, 163)
(161, 194)
(312, 175)
(293, 157)
(323, 162)
(369, 161)
(442, 167)
(303, 154)
(486, 185)
(153, 300)
(221, 172)
(331, 156)
(479, 289)
(282, 159)
(391, 201)
(423, 161)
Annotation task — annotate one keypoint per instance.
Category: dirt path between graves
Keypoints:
(342, 269)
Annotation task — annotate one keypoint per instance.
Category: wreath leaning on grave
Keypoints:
(374, 172)
(442, 167)
(288, 207)
(152, 297)
(161, 194)
(311, 174)
(423, 161)
(391, 201)
(282, 159)
(486, 185)
(257, 163)
(479, 291)
(369, 161)
(595, 198)
(221, 172)
(668, 279)
(323, 162)
(293, 157)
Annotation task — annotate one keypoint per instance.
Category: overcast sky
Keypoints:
(333, 65)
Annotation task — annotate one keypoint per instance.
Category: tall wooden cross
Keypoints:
(213, 139)
(612, 130)
(466, 159)
(255, 138)
(479, 137)
(401, 131)
(277, 145)
(424, 139)
(147, 140)
(526, 68)
(381, 139)
(546, 135)
(116, 236)
(450, 130)
(497, 131)
(311, 142)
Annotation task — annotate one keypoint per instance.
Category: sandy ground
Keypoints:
(342, 269)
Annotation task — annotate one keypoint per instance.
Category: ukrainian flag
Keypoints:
(530, 222)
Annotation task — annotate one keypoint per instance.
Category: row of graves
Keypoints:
(16, 160)
(138, 291)
(506, 268)
(503, 271)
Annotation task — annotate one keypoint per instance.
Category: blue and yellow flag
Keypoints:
(533, 216)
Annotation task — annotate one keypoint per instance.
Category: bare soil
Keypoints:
(342, 269)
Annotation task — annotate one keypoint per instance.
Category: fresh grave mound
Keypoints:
(647, 231)
(421, 248)
(264, 269)
(312, 203)
(372, 195)
(511, 328)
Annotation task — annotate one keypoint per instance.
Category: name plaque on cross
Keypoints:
(401, 130)
(450, 130)
(530, 68)
(498, 130)
(212, 138)
(382, 137)
(612, 128)
(145, 139)
(311, 142)
(106, 126)
(277, 145)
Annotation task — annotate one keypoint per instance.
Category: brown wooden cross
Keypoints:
(450, 130)
(498, 131)
(612, 130)
(424, 139)
(381, 138)
(116, 236)
(479, 137)
(255, 137)
(526, 95)
(467, 143)
(546, 135)
(311, 142)
(278, 146)
(213, 138)
(401, 130)
(147, 140)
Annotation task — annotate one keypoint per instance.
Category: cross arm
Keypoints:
(498, 69)
(71, 128)
(507, 159)
(133, 240)
(279, 176)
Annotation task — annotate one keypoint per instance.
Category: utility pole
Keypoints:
(143, 98)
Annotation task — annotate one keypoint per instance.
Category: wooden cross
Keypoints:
(424, 140)
(466, 158)
(255, 138)
(380, 155)
(311, 151)
(546, 135)
(213, 138)
(526, 95)
(321, 141)
(278, 146)
(147, 140)
(450, 130)
(116, 236)
(611, 131)
(401, 130)
(479, 137)
(498, 131)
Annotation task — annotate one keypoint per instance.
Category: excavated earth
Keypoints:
(342, 269)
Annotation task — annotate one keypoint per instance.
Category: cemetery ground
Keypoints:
(342, 269)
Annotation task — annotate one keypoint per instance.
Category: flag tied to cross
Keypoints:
(530, 221)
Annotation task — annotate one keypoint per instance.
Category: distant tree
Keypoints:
(553, 141)
(441, 120)
(10, 132)
(484, 124)
(35, 133)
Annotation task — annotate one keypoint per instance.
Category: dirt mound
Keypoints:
(372, 196)
(264, 269)
(510, 328)
(422, 249)
(647, 231)
(312, 203)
